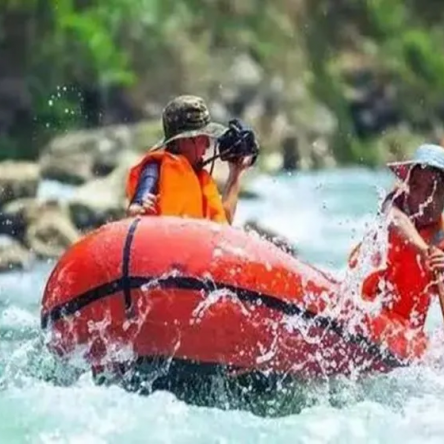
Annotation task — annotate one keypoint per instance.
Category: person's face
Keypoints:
(426, 194)
(194, 148)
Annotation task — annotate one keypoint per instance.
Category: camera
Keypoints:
(238, 141)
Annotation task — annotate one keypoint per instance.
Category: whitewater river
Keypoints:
(323, 214)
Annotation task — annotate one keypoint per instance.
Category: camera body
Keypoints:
(238, 141)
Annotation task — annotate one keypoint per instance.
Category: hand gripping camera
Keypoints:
(237, 141)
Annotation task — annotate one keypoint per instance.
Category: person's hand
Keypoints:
(148, 206)
(435, 259)
(239, 164)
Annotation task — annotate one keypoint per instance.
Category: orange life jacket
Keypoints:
(182, 191)
(405, 277)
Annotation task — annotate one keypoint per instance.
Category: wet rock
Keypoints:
(51, 234)
(13, 220)
(68, 159)
(241, 85)
(321, 155)
(17, 180)
(75, 157)
(44, 227)
(290, 152)
(80, 156)
(13, 255)
(102, 200)
(19, 214)
(144, 135)
(272, 163)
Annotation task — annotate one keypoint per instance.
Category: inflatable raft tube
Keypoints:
(209, 296)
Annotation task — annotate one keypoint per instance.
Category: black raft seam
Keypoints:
(126, 260)
(188, 283)
(72, 306)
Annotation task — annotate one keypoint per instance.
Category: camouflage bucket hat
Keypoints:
(187, 116)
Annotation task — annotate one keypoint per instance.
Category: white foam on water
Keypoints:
(51, 189)
(42, 413)
(324, 214)
(16, 318)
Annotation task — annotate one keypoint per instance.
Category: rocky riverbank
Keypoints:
(94, 164)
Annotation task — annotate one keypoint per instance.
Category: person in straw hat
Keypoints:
(404, 277)
(417, 202)
(170, 179)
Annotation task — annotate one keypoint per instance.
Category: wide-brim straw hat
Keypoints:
(428, 155)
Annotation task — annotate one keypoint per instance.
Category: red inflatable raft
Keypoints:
(198, 292)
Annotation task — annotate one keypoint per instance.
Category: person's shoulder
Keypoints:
(394, 198)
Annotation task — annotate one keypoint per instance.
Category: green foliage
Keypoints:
(402, 38)
(408, 42)
(57, 45)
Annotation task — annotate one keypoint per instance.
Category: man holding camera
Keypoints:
(171, 181)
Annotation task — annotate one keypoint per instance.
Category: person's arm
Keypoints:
(144, 199)
(231, 195)
(232, 188)
(402, 224)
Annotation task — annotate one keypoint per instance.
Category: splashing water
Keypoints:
(211, 299)
(405, 405)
